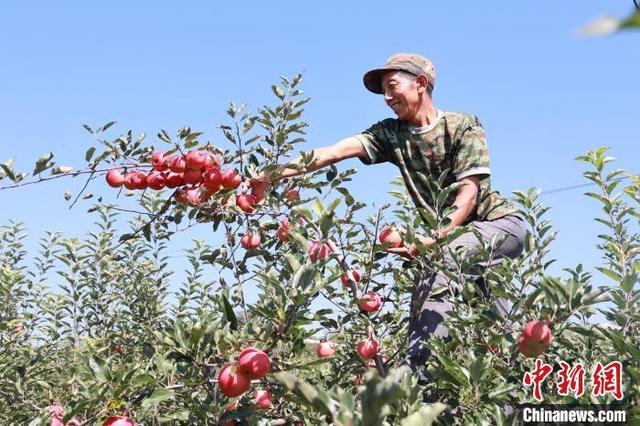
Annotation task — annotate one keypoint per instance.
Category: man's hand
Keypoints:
(410, 251)
(260, 185)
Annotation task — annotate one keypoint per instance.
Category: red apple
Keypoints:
(115, 179)
(139, 179)
(283, 230)
(213, 178)
(317, 251)
(535, 338)
(118, 421)
(372, 362)
(325, 349)
(370, 302)
(231, 179)
(250, 241)
(232, 406)
(177, 164)
(19, 328)
(196, 159)
(211, 161)
(156, 180)
(367, 348)
(254, 363)
(158, 161)
(58, 412)
(357, 277)
(128, 181)
(232, 381)
(246, 202)
(263, 399)
(390, 235)
(292, 195)
(174, 180)
(192, 176)
(117, 349)
(193, 196)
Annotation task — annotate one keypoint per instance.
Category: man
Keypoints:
(423, 142)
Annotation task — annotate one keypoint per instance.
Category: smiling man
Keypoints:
(423, 142)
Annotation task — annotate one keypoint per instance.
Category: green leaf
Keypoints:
(308, 393)
(332, 173)
(43, 163)
(106, 126)
(278, 91)
(143, 379)
(158, 395)
(99, 368)
(425, 416)
(89, 154)
(229, 315)
(61, 170)
(8, 169)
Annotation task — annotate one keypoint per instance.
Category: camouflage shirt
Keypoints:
(455, 141)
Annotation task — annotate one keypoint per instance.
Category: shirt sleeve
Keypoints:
(375, 144)
(472, 155)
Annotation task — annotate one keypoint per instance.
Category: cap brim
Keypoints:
(373, 80)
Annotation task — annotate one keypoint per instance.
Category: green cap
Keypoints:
(409, 62)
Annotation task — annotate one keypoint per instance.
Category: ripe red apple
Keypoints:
(177, 164)
(390, 235)
(231, 179)
(117, 349)
(156, 180)
(115, 179)
(19, 328)
(232, 381)
(357, 277)
(118, 421)
(367, 348)
(283, 230)
(139, 179)
(370, 302)
(250, 241)
(174, 180)
(192, 176)
(213, 178)
(292, 195)
(58, 412)
(317, 251)
(246, 202)
(263, 399)
(325, 349)
(211, 161)
(195, 159)
(232, 406)
(357, 380)
(535, 338)
(192, 194)
(254, 363)
(128, 181)
(372, 362)
(158, 161)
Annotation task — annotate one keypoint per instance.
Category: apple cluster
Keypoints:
(198, 174)
(234, 379)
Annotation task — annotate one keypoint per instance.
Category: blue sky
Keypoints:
(543, 94)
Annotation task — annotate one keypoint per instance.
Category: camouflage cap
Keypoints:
(409, 62)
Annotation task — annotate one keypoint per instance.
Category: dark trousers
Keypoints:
(428, 313)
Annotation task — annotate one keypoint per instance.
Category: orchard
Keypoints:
(96, 331)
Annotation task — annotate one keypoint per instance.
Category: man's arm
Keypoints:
(465, 202)
(343, 149)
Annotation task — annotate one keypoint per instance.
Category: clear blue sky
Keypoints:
(543, 94)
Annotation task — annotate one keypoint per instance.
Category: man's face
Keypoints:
(401, 93)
